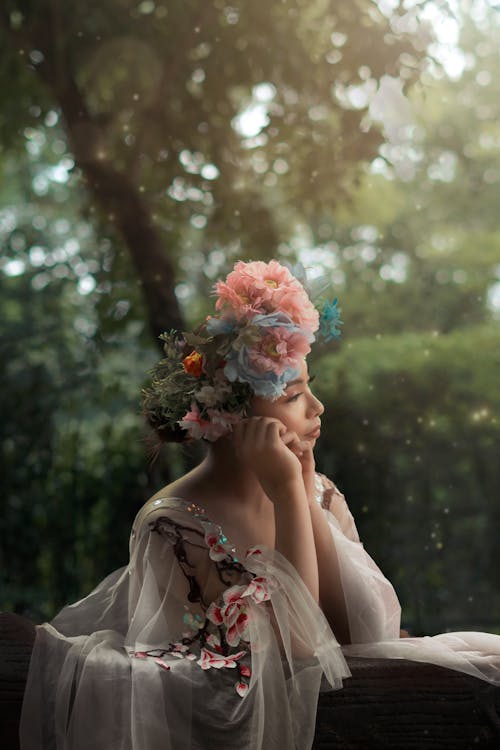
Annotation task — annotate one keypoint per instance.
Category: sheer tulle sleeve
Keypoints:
(186, 647)
(374, 610)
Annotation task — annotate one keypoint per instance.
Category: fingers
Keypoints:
(292, 441)
(257, 432)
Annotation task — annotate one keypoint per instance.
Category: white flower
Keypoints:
(207, 395)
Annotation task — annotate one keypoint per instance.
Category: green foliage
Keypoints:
(121, 133)
(72, 458)
(411, 436)
(163, 139)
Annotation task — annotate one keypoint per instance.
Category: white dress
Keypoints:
(191, 646)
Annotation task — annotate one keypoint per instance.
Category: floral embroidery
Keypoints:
(213, 636)
(258, 590)
(233, 613)
(241, 688)
(162, 664)
(216, 547)
(210, 659)
(194, 622)
(255, 550)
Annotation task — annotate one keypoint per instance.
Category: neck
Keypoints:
(222, 469)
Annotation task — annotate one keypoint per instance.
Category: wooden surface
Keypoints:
(16, 639)
(387, 704)
(404, 705)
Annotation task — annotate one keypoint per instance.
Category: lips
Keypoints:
(315, 433)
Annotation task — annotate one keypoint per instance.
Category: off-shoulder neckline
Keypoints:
(196, 511)
(200, 510)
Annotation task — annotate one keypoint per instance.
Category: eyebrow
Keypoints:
(295, 382)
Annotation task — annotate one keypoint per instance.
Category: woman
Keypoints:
(247, 581)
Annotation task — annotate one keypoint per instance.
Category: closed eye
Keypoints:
(295, 397)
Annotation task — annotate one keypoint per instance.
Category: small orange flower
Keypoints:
(193, 364)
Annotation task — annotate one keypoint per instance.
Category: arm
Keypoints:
(331, 594)
(372, 609)
(295, 534)
(260, 445)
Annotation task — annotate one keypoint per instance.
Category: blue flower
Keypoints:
(265, 384)
(329, 321)
(217, 326)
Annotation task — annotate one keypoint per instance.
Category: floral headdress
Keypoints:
(264, 326)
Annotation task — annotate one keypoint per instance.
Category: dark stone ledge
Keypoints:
(387, 704)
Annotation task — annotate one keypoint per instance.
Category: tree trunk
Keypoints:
(115, 195)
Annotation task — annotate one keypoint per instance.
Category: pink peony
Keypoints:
(279, 349)
(299, 307)
(259, 287)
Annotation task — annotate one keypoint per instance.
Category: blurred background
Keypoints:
(147, 145)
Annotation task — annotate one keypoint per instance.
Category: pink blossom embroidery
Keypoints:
(214, 540)
(233, 611)
(210, 659)
(217, 551)
(213, 640)
(254, 551)
(232, 614)
(163, 664)
(241, 688)
(179, 650)
(238, 630)
(258, 590)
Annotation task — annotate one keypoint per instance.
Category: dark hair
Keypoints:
(164, 432)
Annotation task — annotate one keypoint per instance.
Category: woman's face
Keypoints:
(298, 409)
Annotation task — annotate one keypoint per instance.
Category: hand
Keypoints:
(404, 634)
(268, 449)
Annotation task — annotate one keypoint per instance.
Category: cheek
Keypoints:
(292, 417)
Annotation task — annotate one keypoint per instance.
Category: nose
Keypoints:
(316, 406)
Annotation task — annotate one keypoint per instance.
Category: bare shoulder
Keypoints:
(183, 487)
(189, 486)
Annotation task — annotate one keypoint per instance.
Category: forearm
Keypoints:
(295, 535)
(331, 594)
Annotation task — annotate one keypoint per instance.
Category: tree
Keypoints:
(150, 94)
